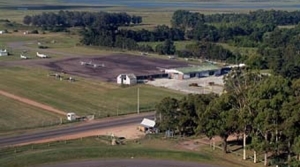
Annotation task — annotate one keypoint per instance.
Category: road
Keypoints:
(74, 129)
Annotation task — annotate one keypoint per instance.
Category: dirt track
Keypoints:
(33, 103)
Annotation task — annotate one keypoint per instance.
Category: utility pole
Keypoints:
(138, 100)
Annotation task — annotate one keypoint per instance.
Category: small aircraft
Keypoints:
(23, 57)
(41, 55)
(98, 65)
(144, 53)
(86, 63)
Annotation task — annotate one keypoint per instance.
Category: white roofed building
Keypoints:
(126, 79)
(193, 71)
(148, 123)
(3, 52)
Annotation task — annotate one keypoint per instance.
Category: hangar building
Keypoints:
(195, 71)
(127, 79)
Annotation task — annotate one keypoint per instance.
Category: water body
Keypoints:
(201, 5)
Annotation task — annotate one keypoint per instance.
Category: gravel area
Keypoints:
(183, 85)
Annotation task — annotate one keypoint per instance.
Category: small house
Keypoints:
(147, 126)
(3, 52)
(126, 79)
(71, 116)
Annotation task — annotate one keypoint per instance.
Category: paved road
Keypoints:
(97, 125)
(129, 163)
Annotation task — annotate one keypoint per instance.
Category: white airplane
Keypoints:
(24, 57)
(83, 63)
(41, 55)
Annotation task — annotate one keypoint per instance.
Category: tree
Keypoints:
(291, 125)
(167, 114)
(191, 109)
(167, 48)
(238, 83)
(184, 20)
(219, 119)
(267, 98)
(27, 20)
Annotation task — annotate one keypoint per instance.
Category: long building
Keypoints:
(196, 71)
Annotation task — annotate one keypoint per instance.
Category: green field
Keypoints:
(17, 115)
(180, 45)
(99, 148)
(242, 50)
(83, 97)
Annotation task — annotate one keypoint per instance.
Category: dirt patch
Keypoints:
(197, 143)
(33, 103)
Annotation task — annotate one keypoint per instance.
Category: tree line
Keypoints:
(208, 51)
(130, 38)
(278, 48)
(263, 109)
(67, 19)
(279, 52)
(277, 17)
(245, 30)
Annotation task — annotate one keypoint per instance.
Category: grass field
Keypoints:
(16, 115)
(180, 45)
(242, 50)
(82, 97)
(95, 148)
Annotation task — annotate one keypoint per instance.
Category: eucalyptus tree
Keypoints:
(291, 125)
(167, 114)
(291, 121)
(219, 119)
(237, 84)
(191, 110)
(267, 98)
(296, 147)
(187, 114)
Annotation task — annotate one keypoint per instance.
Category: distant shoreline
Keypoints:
(200, 5)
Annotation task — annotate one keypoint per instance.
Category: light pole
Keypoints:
(138, 100)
